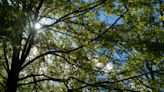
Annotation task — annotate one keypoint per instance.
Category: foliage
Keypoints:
(77, 50)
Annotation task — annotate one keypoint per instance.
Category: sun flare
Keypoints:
(38, 26)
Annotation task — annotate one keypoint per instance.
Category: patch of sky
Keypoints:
(162, 54)
(9, 2)
(109, 19)
(102, 76)
(47, 21)
(120, 56)
(104, 50)
(117, 5)
(157, 16)
(88, 0)
(117, 57)
(112, 18)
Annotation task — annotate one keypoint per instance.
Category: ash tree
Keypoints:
(81, 45)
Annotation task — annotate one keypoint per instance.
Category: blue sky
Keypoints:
(109, 19)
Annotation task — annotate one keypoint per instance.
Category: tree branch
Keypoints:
(37, 10)
(41, 80)
(105, 31)
(104, 83)
(75, 12)
(49, 52)
(47, 78)
(52, 52)
(32, 75)
(27, 46)
(7, 62)
(30, 39)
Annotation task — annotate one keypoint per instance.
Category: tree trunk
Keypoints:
(13, 77)
(12, 82)
(13, 73)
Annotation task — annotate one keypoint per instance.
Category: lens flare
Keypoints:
(38, 26)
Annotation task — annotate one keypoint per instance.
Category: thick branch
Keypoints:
(30, 39)
(27, 46)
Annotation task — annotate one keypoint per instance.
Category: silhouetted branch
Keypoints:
(7, 62)
(32, 75)
(105, 31)
(41, 80)
(51, 52)
(46, 78)
(75, 12)
(105, 83)
(47, 53)
(37, 9)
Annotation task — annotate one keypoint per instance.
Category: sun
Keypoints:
(38, 26)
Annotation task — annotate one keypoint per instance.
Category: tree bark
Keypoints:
(12, 82)
(13, 74)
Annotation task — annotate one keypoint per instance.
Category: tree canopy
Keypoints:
(81, 45)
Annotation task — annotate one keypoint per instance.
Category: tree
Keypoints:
(78, 48)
